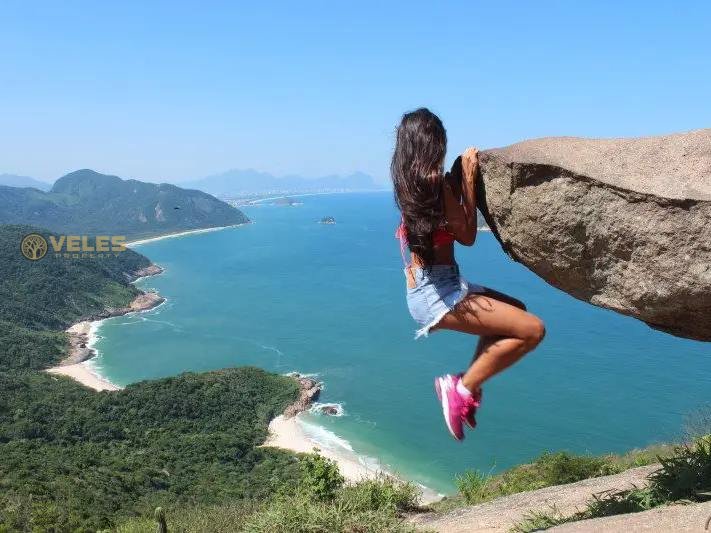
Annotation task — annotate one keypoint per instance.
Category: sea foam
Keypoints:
(317, 408)
(325, 438)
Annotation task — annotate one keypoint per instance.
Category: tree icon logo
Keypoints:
(34, 246)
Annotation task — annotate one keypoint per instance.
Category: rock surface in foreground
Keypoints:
(624, 224)
(679, 518)
(501, 514)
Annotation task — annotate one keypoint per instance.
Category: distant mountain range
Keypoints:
(248, 182)
(86, 202)
(11, 180)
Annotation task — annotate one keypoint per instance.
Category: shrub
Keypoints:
(385, 493)
(547, 470)
(474, 486)
(371, 506)
(321, 478)
(684, 475)
(300, 514)
(562, 467)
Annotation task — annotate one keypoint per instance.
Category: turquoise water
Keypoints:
(286, 293)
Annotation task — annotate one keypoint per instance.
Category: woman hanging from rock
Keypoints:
(438, 209)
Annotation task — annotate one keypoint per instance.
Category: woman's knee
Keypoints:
(534, 332)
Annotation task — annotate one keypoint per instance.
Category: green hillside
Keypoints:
(72, 459)
(39, 299)
(86, 202)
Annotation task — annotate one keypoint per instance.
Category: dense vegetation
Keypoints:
(319, 502)
(86, 202)
(39, 299)
(74, 459)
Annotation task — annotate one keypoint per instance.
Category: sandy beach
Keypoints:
(290, 434)
(130, 244)
(84, 374)
(256, 201)
(76, 365)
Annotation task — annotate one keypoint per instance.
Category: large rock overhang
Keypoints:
(624, 224)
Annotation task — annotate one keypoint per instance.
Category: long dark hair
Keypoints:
(417, 172)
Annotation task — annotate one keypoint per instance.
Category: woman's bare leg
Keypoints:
(484, 342)
(508, 333)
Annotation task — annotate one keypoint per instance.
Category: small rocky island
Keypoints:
(331, 409)
(327, 220)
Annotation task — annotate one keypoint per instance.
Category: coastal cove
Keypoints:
(82, 337)
(78, 364)
(289, 294)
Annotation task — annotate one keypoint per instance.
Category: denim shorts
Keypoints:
(436, 292)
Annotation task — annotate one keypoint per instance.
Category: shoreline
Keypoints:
(78, 364)
(290, 434)
(139, 242)
(289, 431)
(300, 195)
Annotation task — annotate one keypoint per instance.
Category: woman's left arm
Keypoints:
(460, 197)
(470, 174)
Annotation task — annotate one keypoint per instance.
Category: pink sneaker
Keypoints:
(453, 405)
(473, 404)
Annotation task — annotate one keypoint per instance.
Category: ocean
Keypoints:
(289, 294)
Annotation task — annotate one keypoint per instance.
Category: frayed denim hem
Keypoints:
(466, 289)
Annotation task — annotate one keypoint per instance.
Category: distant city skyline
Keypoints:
(177, 92)
(24, 180)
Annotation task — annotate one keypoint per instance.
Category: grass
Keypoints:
(547, 470)
(684, 476)
(321, 503)
(301, 514)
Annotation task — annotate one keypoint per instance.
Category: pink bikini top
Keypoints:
(440, 237)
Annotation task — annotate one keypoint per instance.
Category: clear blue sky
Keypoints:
(177, 90)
